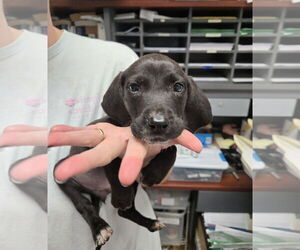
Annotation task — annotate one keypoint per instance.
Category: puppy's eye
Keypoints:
(134, 87)
(178, 87)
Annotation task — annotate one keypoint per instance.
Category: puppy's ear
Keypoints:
(113, 103)
(197, 110)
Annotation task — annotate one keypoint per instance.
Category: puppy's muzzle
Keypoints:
(157, 122)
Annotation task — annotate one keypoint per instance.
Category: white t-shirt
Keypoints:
(23, 88)
(80, 71)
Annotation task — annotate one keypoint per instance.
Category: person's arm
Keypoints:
(116, 142)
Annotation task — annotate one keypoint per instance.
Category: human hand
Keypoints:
(116, 142)
(26, 135)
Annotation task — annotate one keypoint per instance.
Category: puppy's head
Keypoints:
(157, 99)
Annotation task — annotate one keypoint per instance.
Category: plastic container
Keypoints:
(206, 166)
(173, 233)
(169, 199)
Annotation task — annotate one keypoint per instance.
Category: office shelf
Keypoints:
(228, 71)
(229, 68)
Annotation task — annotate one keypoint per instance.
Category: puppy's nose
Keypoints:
(158, 122)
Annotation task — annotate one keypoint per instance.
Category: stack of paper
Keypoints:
(291, 150)
(283, 220)
(255, 46)
(152, 15)
(164, 49)
(210, 79)
(212, 46)
(125, 16)
(212, 65)
(215, 17)
(277, 238)
(240, 220)
(221, 237)
(254, 65)
(288, 47)
(287, 65)
(247, 79)
(250, 159)
(287, 79)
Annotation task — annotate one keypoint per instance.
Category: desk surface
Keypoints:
(228, 183)
(262, 182)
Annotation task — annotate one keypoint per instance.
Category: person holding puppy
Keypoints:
(80, 71)
(23, 111)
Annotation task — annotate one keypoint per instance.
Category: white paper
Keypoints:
(287, 65)
(239, 220)
(286, 79)
(211, 46)
(247, 79)
(165, 49)
(255, 47)
(283, 220)
(254, 65)
(124, 16)
(151, 15)
(209, 64)
(289, 47)
(209, 158)
(210, 79)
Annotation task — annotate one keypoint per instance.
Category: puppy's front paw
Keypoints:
(156, 226)
(103, 236)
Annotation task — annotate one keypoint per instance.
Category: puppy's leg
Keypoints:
(96, 202)
(133, 215)
(121, 197)
(100, 229)
(159, 167)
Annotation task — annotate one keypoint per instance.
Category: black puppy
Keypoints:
(158, 100)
